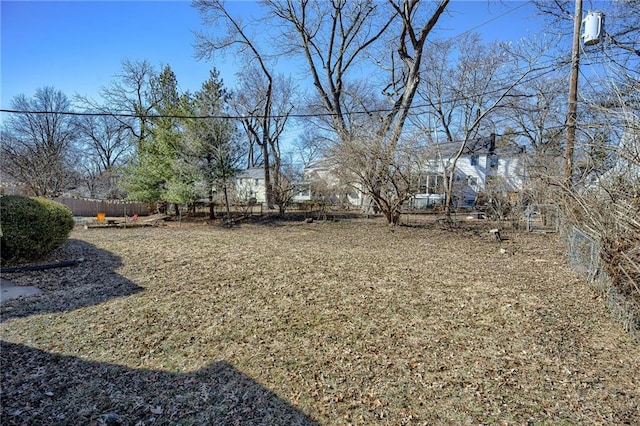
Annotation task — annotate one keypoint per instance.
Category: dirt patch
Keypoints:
(339, 323)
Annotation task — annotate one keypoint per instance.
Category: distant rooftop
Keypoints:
(477, 146)
(252, 173)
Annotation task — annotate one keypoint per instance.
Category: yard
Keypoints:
(303, 323)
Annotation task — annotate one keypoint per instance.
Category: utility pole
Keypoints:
(572, 116)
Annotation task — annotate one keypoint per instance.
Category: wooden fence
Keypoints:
(88, 207)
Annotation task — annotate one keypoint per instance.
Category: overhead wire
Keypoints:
(550, 66)
(488, 21)
(608, 70)
(127, 114)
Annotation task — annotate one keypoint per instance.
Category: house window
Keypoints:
(435, 184)
(422, 186)
(493, 161)
(475, 160)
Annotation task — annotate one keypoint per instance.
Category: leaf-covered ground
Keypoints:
(306, 323)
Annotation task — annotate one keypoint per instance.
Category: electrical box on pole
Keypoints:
(593, 28)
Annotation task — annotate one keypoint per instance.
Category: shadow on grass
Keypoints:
(43, 388)
(89, 283)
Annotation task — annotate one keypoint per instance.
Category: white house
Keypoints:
(322, 181)
(250, 185)
(480, 165)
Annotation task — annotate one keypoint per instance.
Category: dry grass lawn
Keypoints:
(330, 323)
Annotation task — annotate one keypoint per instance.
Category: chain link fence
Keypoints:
(542, 217)
(585, 259)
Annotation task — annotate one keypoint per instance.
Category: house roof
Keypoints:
(252, 173)
(321, 164)
(477, 146)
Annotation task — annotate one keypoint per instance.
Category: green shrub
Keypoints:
(32, 227)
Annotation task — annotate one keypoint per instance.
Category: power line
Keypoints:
(177, 116)
(490, 20)
(550, 65)
(121, 114)
(133, 115)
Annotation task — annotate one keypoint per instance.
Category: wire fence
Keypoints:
(542, 217)
(584, 253)
(585, 258)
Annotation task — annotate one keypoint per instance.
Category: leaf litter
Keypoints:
(330, 323)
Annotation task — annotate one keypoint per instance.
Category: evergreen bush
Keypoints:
(32, 227)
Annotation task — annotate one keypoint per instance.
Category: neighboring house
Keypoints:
(304, 192)
(323, 182)
(250, 185)
(481, 165)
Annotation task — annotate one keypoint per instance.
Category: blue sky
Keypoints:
(78, 46)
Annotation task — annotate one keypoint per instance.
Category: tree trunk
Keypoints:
(448, 196)
(391, 212)
(268, 189)
(212, 212)
(162, 208)
(226, 202)
(395, 217)
(392, 215)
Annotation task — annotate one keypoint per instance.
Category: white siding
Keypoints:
(472, 178)
(249, 187)
(476, 172)
(511, 170)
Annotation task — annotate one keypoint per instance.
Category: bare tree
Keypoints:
(614, 65)
(105, 139)
(389, 176)
(622, 23)
(38, 141)
(535, 111)
(264, 125)
(608, 209)
(324, 180)
(125, 122)
(467, 83)
(334, 38)
(603, 202)
(131, 92)
(605, 205)
(248, 103)
(309, 147)
(105, 144)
